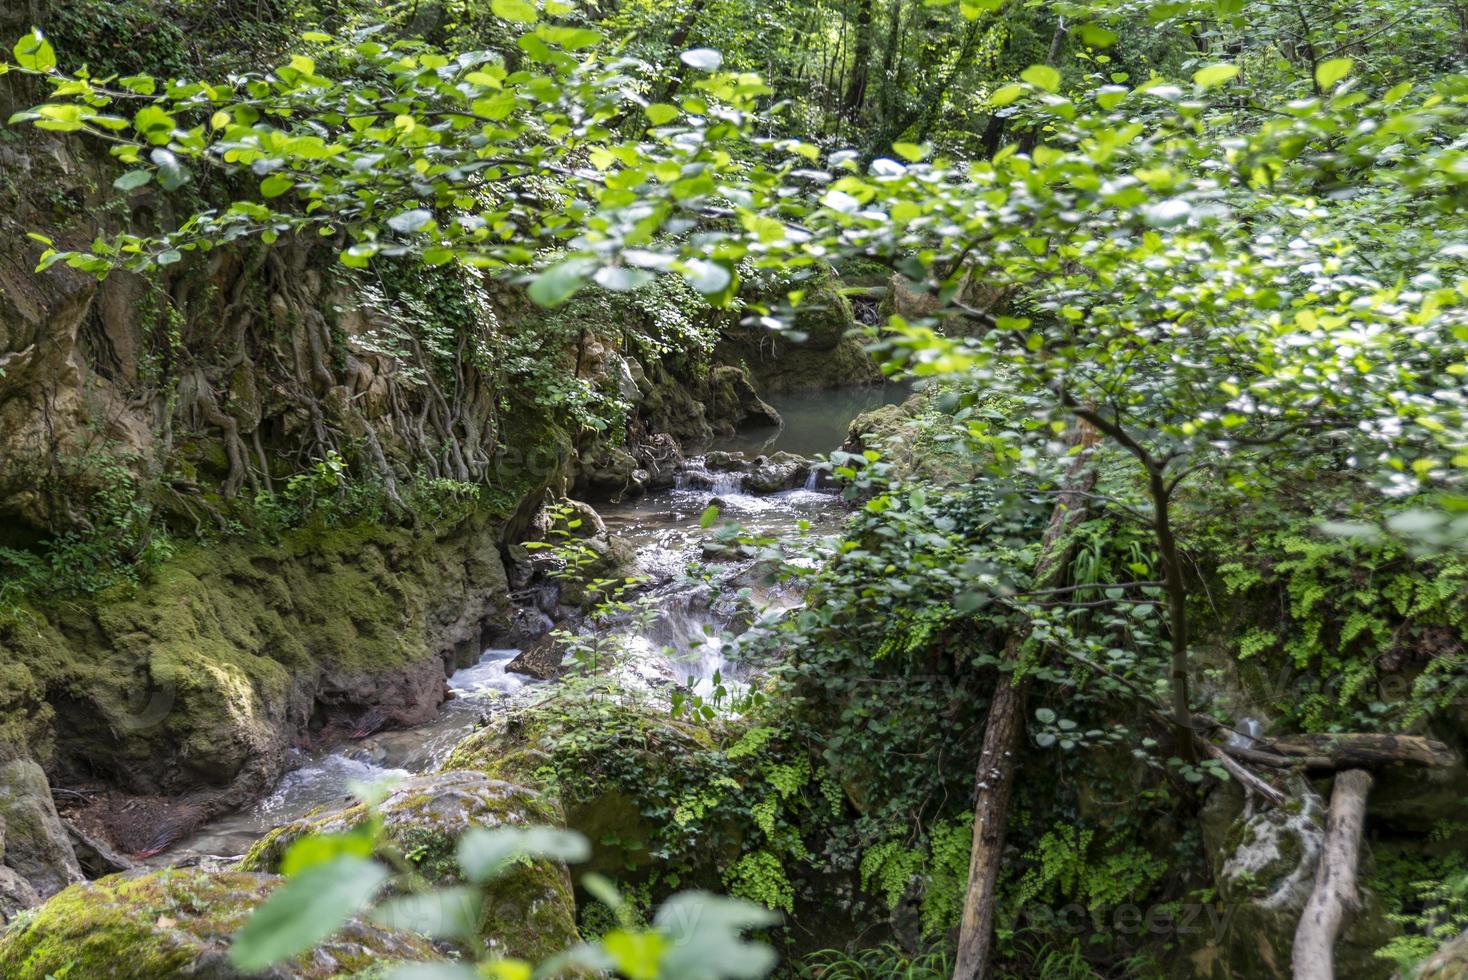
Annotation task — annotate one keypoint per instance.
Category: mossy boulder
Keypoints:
(611, 768)
(33, 842)
(204, 676)
(821, 349)
(1265, 869)
(529, 913)
(176, 923)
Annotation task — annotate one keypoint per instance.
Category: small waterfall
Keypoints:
(697, 476)
(812, 478)
(727, 484)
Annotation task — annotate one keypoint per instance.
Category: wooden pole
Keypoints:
(1004, 728)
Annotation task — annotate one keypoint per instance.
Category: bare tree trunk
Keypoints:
(994, 780)
(856, 89)
(1335, 879)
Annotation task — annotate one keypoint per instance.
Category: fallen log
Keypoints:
(1335, 896)
(1356, 750)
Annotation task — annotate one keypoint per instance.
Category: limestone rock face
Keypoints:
(178, 923)
(529, 912)
(35, 843)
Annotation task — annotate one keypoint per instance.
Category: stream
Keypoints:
(681, 645)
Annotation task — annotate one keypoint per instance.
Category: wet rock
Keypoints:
(735, 405)
(727, 462)
(178, 923)
(611, 473)
(782, 471)
(16, 895)
(662, 458)
(541, 660)
(528, 913)
(36, 845)
(96, 857)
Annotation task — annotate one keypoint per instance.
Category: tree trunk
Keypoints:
(856, 89)
(994, 779)
(1335, 879)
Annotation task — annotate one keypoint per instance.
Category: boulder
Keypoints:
(529, 913)
(35, 842)
(1265, 873)
(177, 923)
(1450, 962)
(610, 473)
(782, 471)
(542, 659)
(662, 458)
(734, 404)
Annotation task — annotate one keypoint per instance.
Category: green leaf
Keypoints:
(518, 11)
(446, 913)
(132, 180)
(171, 175)
(620, 279)
(154, 123)
(407, 222)
(1004, 96)
(1327, 73)
(704, 59)
(709, 516)
(706, 276)
(1213, 76)
(314, 849)
(485, 854)
(973, 8)
(638, 955)
(1097, 36)
(1045, 716)
(275, 185)
(33, 51)
(704, 929)
(661, 112)
(1042, 76)
(910, 152)
(305, 910)
(560, 282)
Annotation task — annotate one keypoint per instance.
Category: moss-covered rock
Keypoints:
(175, 923)
(1265, 869)
(610, 770)
(529, 913)
(205, 675)
(820, 351)
(33, 842)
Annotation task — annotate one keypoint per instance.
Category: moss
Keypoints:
(528, 913)
(164, 924)
(217, 659)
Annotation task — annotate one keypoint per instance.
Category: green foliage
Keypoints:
(333, 877)
(937, 868)
(118, 542)
(1064, 866)
(876, 963)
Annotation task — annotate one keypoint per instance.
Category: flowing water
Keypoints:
(683, 642)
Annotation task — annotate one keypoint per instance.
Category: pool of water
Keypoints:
(815, 422)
